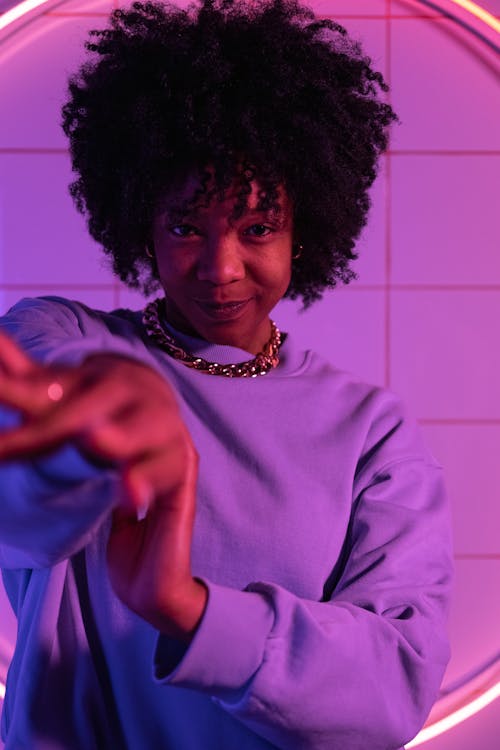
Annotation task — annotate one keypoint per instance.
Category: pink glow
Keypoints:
(422, 311)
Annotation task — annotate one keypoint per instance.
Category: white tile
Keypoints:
(36, 64)
(346, 327)
(370, 266)
(445, 87)
(413, 8)
(43, 239)
(334, 8)
(132, 299)
(97, 7)
(444, 219)
(179, 3)
(445, 356)
(474, 616)
(469, 455)
(371, 33)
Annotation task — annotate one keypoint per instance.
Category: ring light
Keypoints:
(475, 694)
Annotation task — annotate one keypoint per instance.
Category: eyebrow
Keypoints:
(177, 212)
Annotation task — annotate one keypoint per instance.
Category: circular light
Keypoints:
(480, 13)
(18, 11)
(473, 706)
(477, 698)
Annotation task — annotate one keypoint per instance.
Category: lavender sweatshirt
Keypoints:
(322, 533)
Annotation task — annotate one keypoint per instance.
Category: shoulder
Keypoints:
(44, 326)
(378, 418)
(349, 390)
(59, 314)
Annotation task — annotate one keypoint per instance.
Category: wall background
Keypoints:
(422, 319)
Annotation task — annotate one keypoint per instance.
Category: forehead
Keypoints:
(182, 193)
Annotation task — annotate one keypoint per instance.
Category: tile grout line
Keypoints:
(42, 150)
(388, 209)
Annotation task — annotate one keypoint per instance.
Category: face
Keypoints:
(205, 260)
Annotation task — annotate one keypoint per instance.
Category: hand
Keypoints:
(117, 410)
(121, 413)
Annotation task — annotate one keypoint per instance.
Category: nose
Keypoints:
(221, 260)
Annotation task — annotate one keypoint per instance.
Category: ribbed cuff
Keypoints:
(227, 647)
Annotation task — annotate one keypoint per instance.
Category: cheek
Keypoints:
(281, 269)
(285, 282)
(276, 281)
(171, 266)
(275, 265)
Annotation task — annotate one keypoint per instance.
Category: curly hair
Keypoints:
(259, 90)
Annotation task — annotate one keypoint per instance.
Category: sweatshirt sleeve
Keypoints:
(362, 667)
(50, 507)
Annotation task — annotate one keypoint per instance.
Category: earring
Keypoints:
(148, 251)
(299, 253)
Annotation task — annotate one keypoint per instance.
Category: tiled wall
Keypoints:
(423, 317)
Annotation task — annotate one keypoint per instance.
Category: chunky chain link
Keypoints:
(262, 363)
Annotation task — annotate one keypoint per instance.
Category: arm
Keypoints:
(50, 508)
(362, 668)
(51, 505)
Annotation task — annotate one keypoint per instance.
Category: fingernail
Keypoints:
(145, 500)
(142, 511)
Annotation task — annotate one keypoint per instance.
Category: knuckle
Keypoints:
(106, 439)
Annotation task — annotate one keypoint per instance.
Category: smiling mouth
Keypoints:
(223, 311)
(221, 303)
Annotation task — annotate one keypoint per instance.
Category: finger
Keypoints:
(151, 483)
(31, 441)
(68, 418)
(13, 360)
(131, 431)
(37, 393)
(137, 498)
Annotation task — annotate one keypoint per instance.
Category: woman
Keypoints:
(211, 538)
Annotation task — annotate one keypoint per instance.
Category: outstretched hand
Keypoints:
(120, 413)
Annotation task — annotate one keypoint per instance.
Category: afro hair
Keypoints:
(261, 90)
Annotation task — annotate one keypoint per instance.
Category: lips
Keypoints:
(224, 311)
(221, 303)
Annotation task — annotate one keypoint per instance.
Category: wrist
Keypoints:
(182, 614)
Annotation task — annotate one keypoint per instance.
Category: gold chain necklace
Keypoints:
(262, 363)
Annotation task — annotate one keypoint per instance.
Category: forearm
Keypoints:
(359, 670)
(50, 508)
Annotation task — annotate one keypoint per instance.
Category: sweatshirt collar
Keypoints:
(290, 359)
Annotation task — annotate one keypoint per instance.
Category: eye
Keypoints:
(261, 229)
(182, 230)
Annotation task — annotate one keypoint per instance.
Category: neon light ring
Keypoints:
(475, 690)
